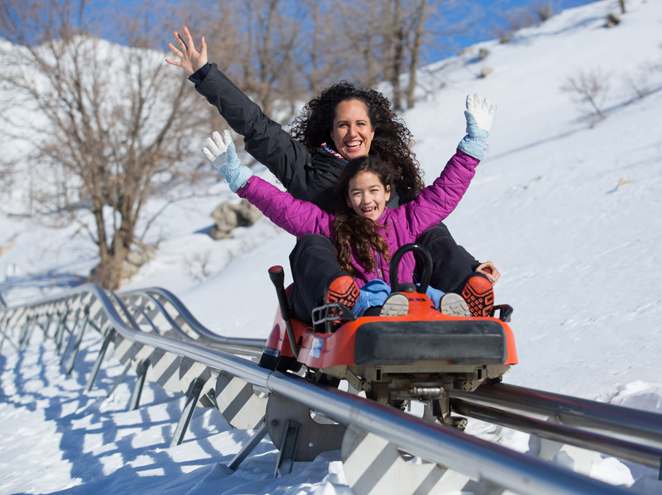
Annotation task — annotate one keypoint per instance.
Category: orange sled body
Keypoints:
(423, 348)
(393, 359)
(423, 334)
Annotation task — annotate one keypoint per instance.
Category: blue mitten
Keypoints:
(479, 122)
(222, 154)
(374, 293)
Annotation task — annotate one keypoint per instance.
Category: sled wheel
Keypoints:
(323, 379)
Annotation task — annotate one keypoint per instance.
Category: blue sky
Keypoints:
(492, 9)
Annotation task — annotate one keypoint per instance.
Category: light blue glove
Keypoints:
(479, 122)
(222, 154)
(374, 293)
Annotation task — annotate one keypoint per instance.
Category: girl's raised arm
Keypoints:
(294, 216)
(439, 199)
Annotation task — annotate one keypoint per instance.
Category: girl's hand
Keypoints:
(191, 59)
(479, 116)
(490, 270)
(479, 122)
(222, 154)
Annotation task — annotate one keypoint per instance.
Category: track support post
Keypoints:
(192, 398)
(4, 330)
(79, 339)
(25, 331)
(59, 331)
(119, 379)
(30, 330)
(288, 448)
(45, 329)
(72, 333)
(141, 370)
(249, 447)
(97, 364)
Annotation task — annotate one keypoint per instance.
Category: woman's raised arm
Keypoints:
(264, 139)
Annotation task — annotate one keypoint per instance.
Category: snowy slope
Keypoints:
(579, 256)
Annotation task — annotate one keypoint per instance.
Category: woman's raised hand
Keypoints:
(191, 59)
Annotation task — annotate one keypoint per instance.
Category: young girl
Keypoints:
(368, 232)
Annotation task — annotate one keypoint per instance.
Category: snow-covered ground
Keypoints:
(567, 208)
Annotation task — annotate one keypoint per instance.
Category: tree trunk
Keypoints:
(314, 82)
(107, 274)
(398, 37)
(368, 57)
(415, 53)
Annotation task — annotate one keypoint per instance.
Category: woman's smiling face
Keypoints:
(367, 195)
(352, 131)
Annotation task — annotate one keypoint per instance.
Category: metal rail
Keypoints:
(153, 307)
(164, 295)
(648, 456)
(624, 423)
(471, 456)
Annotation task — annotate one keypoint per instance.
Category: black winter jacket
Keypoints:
(306, 176)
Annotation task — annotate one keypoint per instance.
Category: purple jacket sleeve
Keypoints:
(292, 215)
(438, 200)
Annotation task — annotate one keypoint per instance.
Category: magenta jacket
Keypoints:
(403, 225)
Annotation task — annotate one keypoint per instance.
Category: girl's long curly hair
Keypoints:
(392, 140)
(352, 230)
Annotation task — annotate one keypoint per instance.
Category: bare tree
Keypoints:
(217, 22)
(590, 86)
(395, 36)
(391, 38)
(428, 24)
(513, 20)
(545, 10)
(418, 37)
(319, 55)
(114, 124)
(360, 39)
(269, 31)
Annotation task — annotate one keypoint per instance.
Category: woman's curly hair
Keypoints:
(392, 140)
(352, 230)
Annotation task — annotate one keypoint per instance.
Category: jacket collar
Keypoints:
(324, 148)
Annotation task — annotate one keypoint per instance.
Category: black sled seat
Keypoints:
(405, 342)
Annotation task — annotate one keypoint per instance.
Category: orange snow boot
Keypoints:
(478, 293)
(342, 289)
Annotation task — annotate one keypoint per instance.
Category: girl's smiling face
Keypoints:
(367, 195)
(352, 131)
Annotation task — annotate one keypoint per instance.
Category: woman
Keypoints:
(342, 123)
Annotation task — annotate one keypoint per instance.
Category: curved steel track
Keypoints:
(156, 318)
